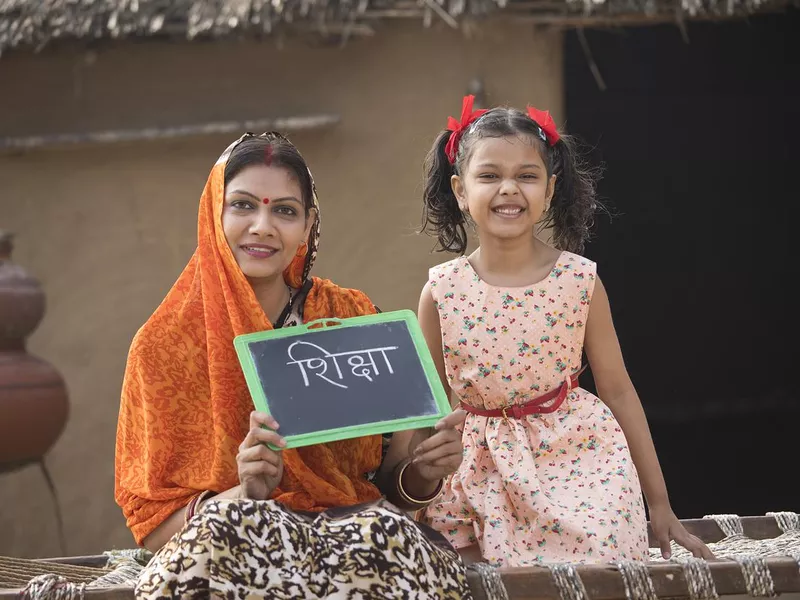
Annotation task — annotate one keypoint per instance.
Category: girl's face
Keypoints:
(264, 220)
(505, 188)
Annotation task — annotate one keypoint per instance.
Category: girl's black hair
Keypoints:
(271, 149)
(574, 200)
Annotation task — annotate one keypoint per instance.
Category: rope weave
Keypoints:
(757, 578)
(52, 587)
(16, 572)
(43, 580)
(737, 545)
(787, 521)
(730, 525)
(567, 581)
(125, 573)
(140, 555)
(699, 580)
(636, 578)
(491, 581)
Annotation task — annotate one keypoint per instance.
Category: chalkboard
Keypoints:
(335, 379)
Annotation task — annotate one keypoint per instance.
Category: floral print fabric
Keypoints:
(549, 487)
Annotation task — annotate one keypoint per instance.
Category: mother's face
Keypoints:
(264, 220)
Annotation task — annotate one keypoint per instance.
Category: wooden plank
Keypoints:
(757, 528)
(95, 560)
(287, 124)
(556, 18)
(603, 582)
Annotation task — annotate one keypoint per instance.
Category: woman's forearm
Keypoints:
(175, 522)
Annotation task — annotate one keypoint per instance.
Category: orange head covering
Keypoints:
(185, 405)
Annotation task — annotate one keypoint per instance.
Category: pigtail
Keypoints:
(574, 202)
(441, 214)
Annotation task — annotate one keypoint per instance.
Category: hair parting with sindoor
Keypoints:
(274, 150)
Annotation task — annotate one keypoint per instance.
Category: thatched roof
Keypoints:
(34, 23)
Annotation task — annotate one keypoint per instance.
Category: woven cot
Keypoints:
(756, 557)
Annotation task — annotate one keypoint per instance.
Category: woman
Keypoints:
(193, 458)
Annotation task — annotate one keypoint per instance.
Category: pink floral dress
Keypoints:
(544, 488)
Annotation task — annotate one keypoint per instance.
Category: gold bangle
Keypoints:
(194, 504)
(406, 497)
(206, 495)
(188, 512)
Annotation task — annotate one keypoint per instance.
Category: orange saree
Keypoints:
(185, 405)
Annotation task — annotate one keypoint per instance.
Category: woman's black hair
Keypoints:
(574, 200)
(271, 149)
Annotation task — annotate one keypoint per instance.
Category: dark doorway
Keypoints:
(700, 143)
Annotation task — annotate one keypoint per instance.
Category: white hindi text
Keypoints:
(361, 362)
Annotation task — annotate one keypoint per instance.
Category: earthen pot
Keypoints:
(33, 398)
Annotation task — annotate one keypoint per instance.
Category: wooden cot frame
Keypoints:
(602, 582)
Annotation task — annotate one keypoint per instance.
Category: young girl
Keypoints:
(549, 471)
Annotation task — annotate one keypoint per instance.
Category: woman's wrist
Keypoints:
(411, 490)
(416, 485)
(193, 507)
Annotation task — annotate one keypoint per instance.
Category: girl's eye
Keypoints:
(528, 176)
(487, 176)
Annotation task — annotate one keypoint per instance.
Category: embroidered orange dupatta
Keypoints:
(185, 405)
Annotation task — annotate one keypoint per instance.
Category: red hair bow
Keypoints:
(545, 122)
(468, 117)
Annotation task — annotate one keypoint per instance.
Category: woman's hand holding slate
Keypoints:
(260, 466)
(439, 455)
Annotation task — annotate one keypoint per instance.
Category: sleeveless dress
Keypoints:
(557, 487)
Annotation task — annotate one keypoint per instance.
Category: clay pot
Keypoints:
(33, 398)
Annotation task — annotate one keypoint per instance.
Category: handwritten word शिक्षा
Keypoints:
(359, 365)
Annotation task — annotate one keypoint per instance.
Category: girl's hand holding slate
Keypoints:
(439, 455)
(260, 466)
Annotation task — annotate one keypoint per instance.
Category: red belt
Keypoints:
(533, 407)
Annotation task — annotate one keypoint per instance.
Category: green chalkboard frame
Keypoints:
(261, 402)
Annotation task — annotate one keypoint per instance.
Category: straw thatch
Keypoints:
(34, 23)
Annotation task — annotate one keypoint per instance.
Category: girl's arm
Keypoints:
(428, 316)
(615, 388)
(437, 453)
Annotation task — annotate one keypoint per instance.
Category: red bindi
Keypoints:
(265, 200)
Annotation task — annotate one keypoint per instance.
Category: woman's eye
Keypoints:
(241, 205)
(286, 210)
(528, 176)
(487, 176)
